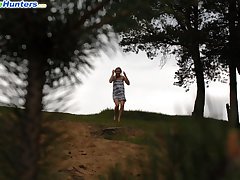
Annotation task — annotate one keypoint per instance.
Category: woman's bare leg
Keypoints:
(116, 109)
(121, 110)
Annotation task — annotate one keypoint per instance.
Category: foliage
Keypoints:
(10, 147)
(63, 37)
(41, 50)
(169, 27)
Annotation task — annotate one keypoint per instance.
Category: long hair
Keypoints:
(119, 69)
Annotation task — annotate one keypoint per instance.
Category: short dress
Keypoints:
(118, 89)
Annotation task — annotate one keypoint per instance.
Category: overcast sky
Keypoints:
(151, 88)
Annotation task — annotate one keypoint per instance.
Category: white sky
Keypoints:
(151, 88)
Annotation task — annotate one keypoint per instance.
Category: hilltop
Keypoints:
(97, 147)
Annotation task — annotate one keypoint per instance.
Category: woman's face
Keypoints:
(118, 72)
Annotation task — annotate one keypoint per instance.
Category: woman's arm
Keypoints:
(126, 79)
(112, 77)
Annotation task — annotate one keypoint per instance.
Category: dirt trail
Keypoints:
(88, 156)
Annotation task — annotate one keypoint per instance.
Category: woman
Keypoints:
(118, 91)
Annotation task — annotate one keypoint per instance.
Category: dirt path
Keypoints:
(88, 156)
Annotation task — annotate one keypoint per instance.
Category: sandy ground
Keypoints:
(87, 155)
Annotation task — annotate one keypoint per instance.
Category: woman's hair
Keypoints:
(119, 69)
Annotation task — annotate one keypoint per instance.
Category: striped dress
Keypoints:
(118, 89)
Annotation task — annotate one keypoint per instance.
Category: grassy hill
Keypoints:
(180, 147)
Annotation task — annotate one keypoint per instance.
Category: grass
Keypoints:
(180, 147)
(151, 123)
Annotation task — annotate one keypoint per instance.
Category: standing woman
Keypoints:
(118, 91)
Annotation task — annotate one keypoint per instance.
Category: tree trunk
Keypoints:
(198, 68)
(31, 124)
(233, 97)
(233, 58)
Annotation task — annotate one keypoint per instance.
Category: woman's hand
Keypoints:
(111, 78)
(126, 79)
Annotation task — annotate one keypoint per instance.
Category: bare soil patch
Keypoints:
(87, 154)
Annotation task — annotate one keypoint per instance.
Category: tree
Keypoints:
(178, 27)
(234, 38)
(53, 44)
(45, 51)
(225, 47)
